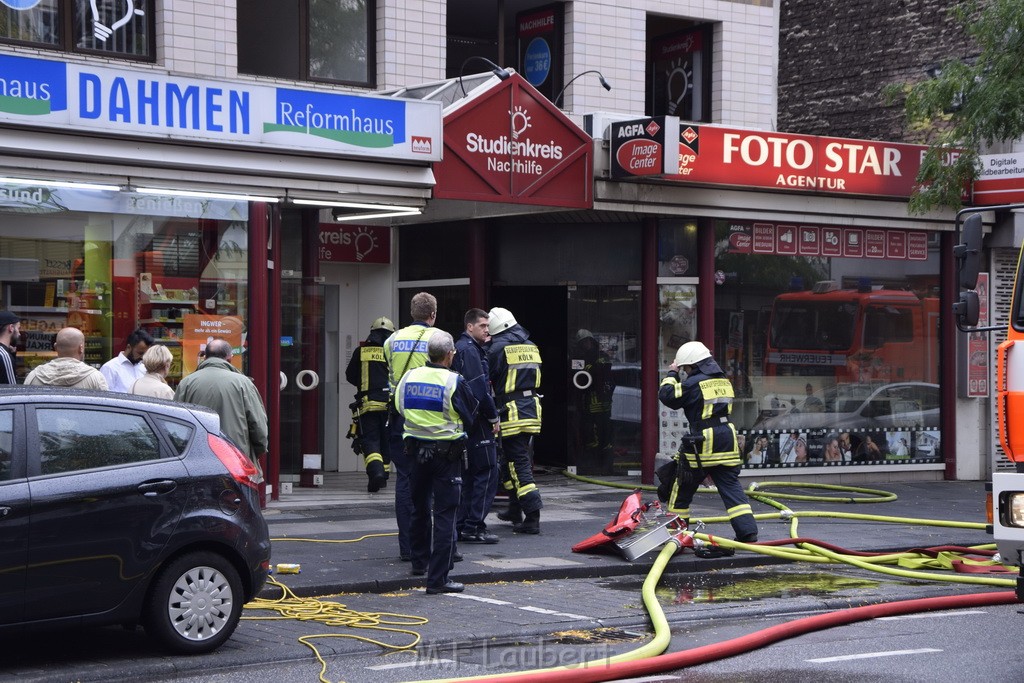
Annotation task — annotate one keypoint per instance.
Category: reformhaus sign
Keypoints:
(127, 102)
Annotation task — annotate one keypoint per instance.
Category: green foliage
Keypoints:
(970, 104)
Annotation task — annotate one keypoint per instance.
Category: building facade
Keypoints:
(97, 229)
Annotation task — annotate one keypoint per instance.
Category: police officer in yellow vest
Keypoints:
(698, 385)
(405, 350)
(436, 404)
(367, 371)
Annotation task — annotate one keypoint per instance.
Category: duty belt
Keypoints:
(426, 450)
(710, 422)
(526, 393)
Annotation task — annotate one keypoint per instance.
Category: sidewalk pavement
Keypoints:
(574, 510)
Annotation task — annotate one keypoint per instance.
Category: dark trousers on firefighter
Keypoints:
(727, 480)
(436, 488)
(373, 442)
(517, 473)
(403, 496)
(479, 481)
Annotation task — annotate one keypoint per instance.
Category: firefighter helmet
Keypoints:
(691, 353)
(499, 320)
(382, 323)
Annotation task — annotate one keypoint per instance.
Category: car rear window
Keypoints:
(71, 440)
(179, 434)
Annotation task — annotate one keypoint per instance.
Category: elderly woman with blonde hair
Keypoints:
(157, 361)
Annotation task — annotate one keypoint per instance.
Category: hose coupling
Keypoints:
(786, 515)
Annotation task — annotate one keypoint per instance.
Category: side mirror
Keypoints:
(967, 310)
(968, 253)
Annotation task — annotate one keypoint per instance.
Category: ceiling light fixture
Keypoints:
(369, 210)
(61, 183)
(207, 195)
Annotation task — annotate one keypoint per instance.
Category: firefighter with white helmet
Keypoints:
(698, 385)
(367, 371)
(514, 366)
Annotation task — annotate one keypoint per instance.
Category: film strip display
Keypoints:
(765, 449)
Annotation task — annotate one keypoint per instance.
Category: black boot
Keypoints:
(378, 479)
(530, 525)
(514, 513)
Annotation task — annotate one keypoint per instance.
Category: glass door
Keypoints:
(302, 361)
(603, 372)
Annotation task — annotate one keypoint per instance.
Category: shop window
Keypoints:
(122, 28)
(679, 69)
(316, 40)
(6, 443)
(838, 348)
(63, 264)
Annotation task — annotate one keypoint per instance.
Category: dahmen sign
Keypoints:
(512, 145)
(780, 161)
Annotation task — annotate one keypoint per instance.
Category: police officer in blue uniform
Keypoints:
(436, 405)
(480, 480)
(367, 371)
(697, 384)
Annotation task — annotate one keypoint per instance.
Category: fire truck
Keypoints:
(1006, 508)
(861, 335)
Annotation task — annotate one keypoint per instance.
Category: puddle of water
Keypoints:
(681, 589)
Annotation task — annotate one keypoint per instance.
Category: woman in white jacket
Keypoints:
(157, 360)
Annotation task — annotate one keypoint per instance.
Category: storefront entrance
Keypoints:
(588, 337)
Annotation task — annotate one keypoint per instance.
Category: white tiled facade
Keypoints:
(198, 37)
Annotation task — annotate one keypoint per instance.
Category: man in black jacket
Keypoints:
(480, 480)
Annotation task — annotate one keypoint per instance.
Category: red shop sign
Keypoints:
(347, 243)
(801, 163)
(511, 144)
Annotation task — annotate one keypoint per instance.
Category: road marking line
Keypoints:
(525, 608)
(872, 655)
(405, 665)
(930, 615)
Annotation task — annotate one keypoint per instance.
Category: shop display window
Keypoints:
(830, 337)
(122, 28)
(183, 279)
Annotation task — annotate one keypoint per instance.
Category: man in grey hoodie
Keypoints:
(67, 369)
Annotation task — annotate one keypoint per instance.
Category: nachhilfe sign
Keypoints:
(780, 161)
(512, 145)
(345, 243)
(119, 101)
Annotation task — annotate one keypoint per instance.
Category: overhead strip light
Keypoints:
(207, 195)
(61, 183)
(375, 210)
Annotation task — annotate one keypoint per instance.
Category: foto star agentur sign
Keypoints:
(510, 144)
(713, 155)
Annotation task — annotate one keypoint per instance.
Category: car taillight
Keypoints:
(240, 467)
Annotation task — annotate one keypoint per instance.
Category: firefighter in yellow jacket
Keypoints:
(514, 365)
(367, 371)
(697, 384)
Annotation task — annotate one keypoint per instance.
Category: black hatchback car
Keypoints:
(117, 509)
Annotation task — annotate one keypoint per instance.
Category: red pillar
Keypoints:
(649, 378)
(948, 293)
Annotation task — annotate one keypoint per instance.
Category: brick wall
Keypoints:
(835, 59)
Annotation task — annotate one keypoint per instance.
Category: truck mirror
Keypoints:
(967, 310)
(968, 253)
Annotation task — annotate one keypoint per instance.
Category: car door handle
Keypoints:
(155, 488)
(4, 511)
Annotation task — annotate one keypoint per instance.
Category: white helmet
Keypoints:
(691, 353)
(382, 323)
(499, 320)
(584, 334)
